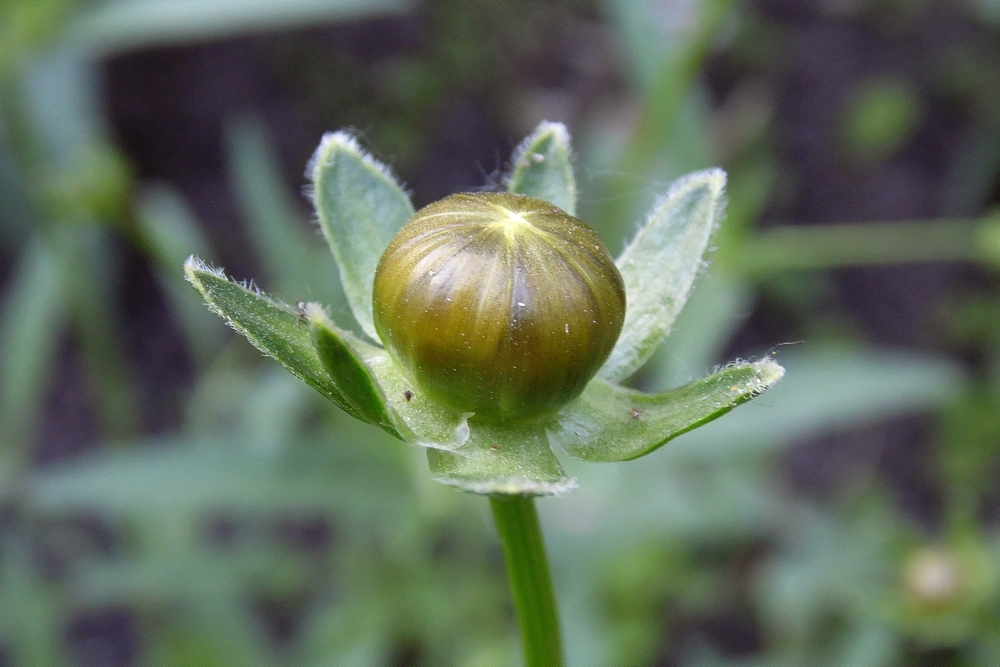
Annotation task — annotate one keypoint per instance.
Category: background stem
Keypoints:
(530, 580)
(797, 247)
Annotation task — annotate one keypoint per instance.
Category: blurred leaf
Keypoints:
(30, 319)
(543, 167)
(62, 92)
(867, 643)
(169, 228)
(16, 217)
(274, 221)
(360, 207)
(178, 480)
(119, 25)
(27, 28)
(671, 40)
(829, 567)
(32, 612)
(512, 459)
(676, 495)
(989, 9)
(660, 265)
(202, 637)
(170, 234)
(610, 423)
(346, 635)
(882, 116)
(89, 258)
(293, 259)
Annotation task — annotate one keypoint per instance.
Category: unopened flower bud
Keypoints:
(498, 304)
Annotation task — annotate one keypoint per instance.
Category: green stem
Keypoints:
(530, 580)
(875, 244)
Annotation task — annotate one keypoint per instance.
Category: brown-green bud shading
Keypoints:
(498, 304)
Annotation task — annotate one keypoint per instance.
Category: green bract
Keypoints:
(516, 250)
(498, 304)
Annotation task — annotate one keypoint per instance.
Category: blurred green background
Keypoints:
(169, 498)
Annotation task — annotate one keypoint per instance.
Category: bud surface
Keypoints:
(498, 304)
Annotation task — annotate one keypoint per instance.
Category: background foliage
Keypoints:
(168, 498)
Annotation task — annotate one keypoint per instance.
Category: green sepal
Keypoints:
(379, 393)
(368, 376)
(542, 167)
(418, 419)
(502, 460)
(360, 207)
(609, 423)
(347, 370)
(277, 330)
(660, 265)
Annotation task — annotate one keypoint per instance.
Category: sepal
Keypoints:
(347, 371)
(502, 460)
(543, 168)
(660, 265)
(360, 207)
(277, 330)
(609, 423)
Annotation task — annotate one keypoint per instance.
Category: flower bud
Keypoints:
(498, 304)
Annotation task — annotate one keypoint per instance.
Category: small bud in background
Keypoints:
(933, 578)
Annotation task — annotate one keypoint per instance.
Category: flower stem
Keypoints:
(530, 580)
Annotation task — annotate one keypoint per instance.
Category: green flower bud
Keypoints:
(498, 304)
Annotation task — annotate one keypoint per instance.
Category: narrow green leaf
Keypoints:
(610, 423)
(175, 479)
(169, 233)
(347, 371)
(660, 265)
(275, 224)
(275, 329)
(90, 258)
(32, 613)
(502, 461)
(542, 167)
(32, 313)
(121, 25)
(360, 208)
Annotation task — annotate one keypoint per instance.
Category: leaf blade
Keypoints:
(360, 207)
(609, 423)
(660, 265)
(542, 167)
(122, 25)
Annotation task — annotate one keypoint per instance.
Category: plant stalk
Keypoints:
(530, 579)
(828, 246)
